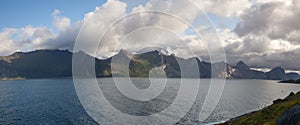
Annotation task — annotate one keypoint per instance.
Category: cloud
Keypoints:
(287, 60)
(259, 51)
(225, 8)
(102, 17)
(23, 39)
(267, 33)
(140, 17)
(30, 38)
(276, 20)
(65, 39)
(97, 22)
(60, 22)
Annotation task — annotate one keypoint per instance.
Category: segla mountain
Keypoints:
(58, 63)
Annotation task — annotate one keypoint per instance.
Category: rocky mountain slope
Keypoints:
(58, 63)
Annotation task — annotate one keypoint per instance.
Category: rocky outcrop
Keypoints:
(242, 71)
(282, 112)
(277, 73)
(291, 81)
(293, 76)
(58, 63)
(290, 117)
(242, 66)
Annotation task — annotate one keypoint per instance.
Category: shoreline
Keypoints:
(12, 79)
(216, 123)
(269, 114)
(23, 78)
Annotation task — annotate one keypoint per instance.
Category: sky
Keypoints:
(19, 13)
(262, 33)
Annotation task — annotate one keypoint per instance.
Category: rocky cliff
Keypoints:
(58, 63)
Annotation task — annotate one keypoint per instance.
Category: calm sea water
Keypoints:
(54, 101)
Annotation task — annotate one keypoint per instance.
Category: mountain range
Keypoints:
(58, 63)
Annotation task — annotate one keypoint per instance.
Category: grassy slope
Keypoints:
(268, 115)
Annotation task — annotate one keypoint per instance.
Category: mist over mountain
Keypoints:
(58, 63)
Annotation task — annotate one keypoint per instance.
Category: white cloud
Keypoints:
(101, 18)
(141, 17)
(30, 38)
(267, 34)
(97, 22)
(259, 51)
(60, 22)
(226, 8)
(23, 39)
(276, 20)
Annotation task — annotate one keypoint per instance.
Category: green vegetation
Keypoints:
(139, 68)
(140, 65)
(268, 115)
(37, 64)
(58, 64)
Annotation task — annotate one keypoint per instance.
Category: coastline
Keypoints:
(10, 79)
(269, 114)
(21, 78)
(216, 123)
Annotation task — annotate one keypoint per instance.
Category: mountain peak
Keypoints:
(242, 65)
(278, 68)
(154, 52)
(125, 52)
(277, 73)
(58, 63)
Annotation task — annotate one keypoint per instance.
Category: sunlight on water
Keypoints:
(54, 101)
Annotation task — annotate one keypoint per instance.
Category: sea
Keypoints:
(157, 101)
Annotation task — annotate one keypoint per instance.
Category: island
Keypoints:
(290, 81)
